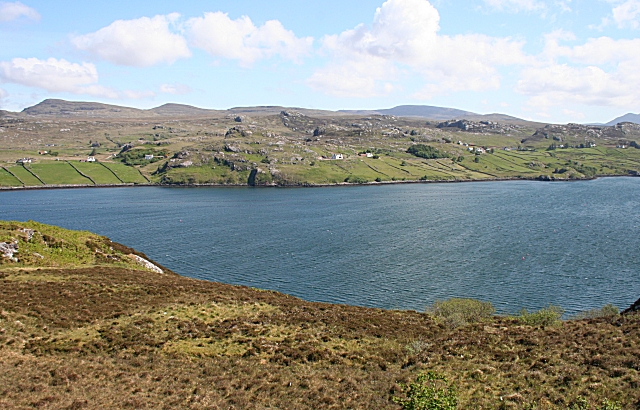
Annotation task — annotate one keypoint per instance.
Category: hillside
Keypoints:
(278, 146)
(84, 325)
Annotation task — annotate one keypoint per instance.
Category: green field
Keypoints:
(63, 173)
(6, 179)
(129, 175)
(58, 173)
(97, 172)
(24, 175)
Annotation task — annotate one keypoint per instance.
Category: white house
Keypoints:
(337, 156)
(148, 157)
(91, 159)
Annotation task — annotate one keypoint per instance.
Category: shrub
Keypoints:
(549, 316)
(605, 311)
(426, 151)
(352, 179)
(582, 404)
(459, 312)
(430, 391)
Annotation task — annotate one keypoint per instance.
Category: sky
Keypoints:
(554, 61)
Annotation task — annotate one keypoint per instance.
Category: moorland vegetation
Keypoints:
(86, 323)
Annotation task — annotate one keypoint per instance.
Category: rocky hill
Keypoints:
(62, 108)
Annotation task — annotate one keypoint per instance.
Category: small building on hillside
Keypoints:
(24, 161)
(148, 157)
(337, 156)
(91, 159)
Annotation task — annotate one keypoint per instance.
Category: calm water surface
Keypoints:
(516, 244)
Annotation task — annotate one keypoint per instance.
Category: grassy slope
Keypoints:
(24, 175)
(92, 332)
(6, 179)
(58, 173)
(127, 174)
(97, 172)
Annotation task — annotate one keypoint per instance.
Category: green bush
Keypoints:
(582, 404)
(605, 311)
(549, 316)
(459, 312)
(430, 391)
(426, 151)
(352, 179)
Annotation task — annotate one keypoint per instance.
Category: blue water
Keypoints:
(517, 244)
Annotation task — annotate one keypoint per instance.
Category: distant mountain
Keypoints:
(424, 111)
(625, 118)
(437, 113)
(77, 109)
(180, 110)
(62, 108)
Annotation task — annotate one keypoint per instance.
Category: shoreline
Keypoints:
(340, 184)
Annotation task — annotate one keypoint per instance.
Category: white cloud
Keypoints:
(52, 75)
(15, 10)
(55, 75)
(600, 72)
(404, 41)
(241, 40)
(141, 42)
(602, 50)
(517, 5)
(176, 89)
(627, 14)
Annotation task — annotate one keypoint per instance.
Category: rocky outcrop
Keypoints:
(633, 308)
(478, 126)
(143, 262)
(8, 249)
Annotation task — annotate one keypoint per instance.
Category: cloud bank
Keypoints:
(55, 75)
(403, 41)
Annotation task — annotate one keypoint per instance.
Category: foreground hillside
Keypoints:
(88, 323)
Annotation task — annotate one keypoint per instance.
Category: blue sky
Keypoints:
(547, 60)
